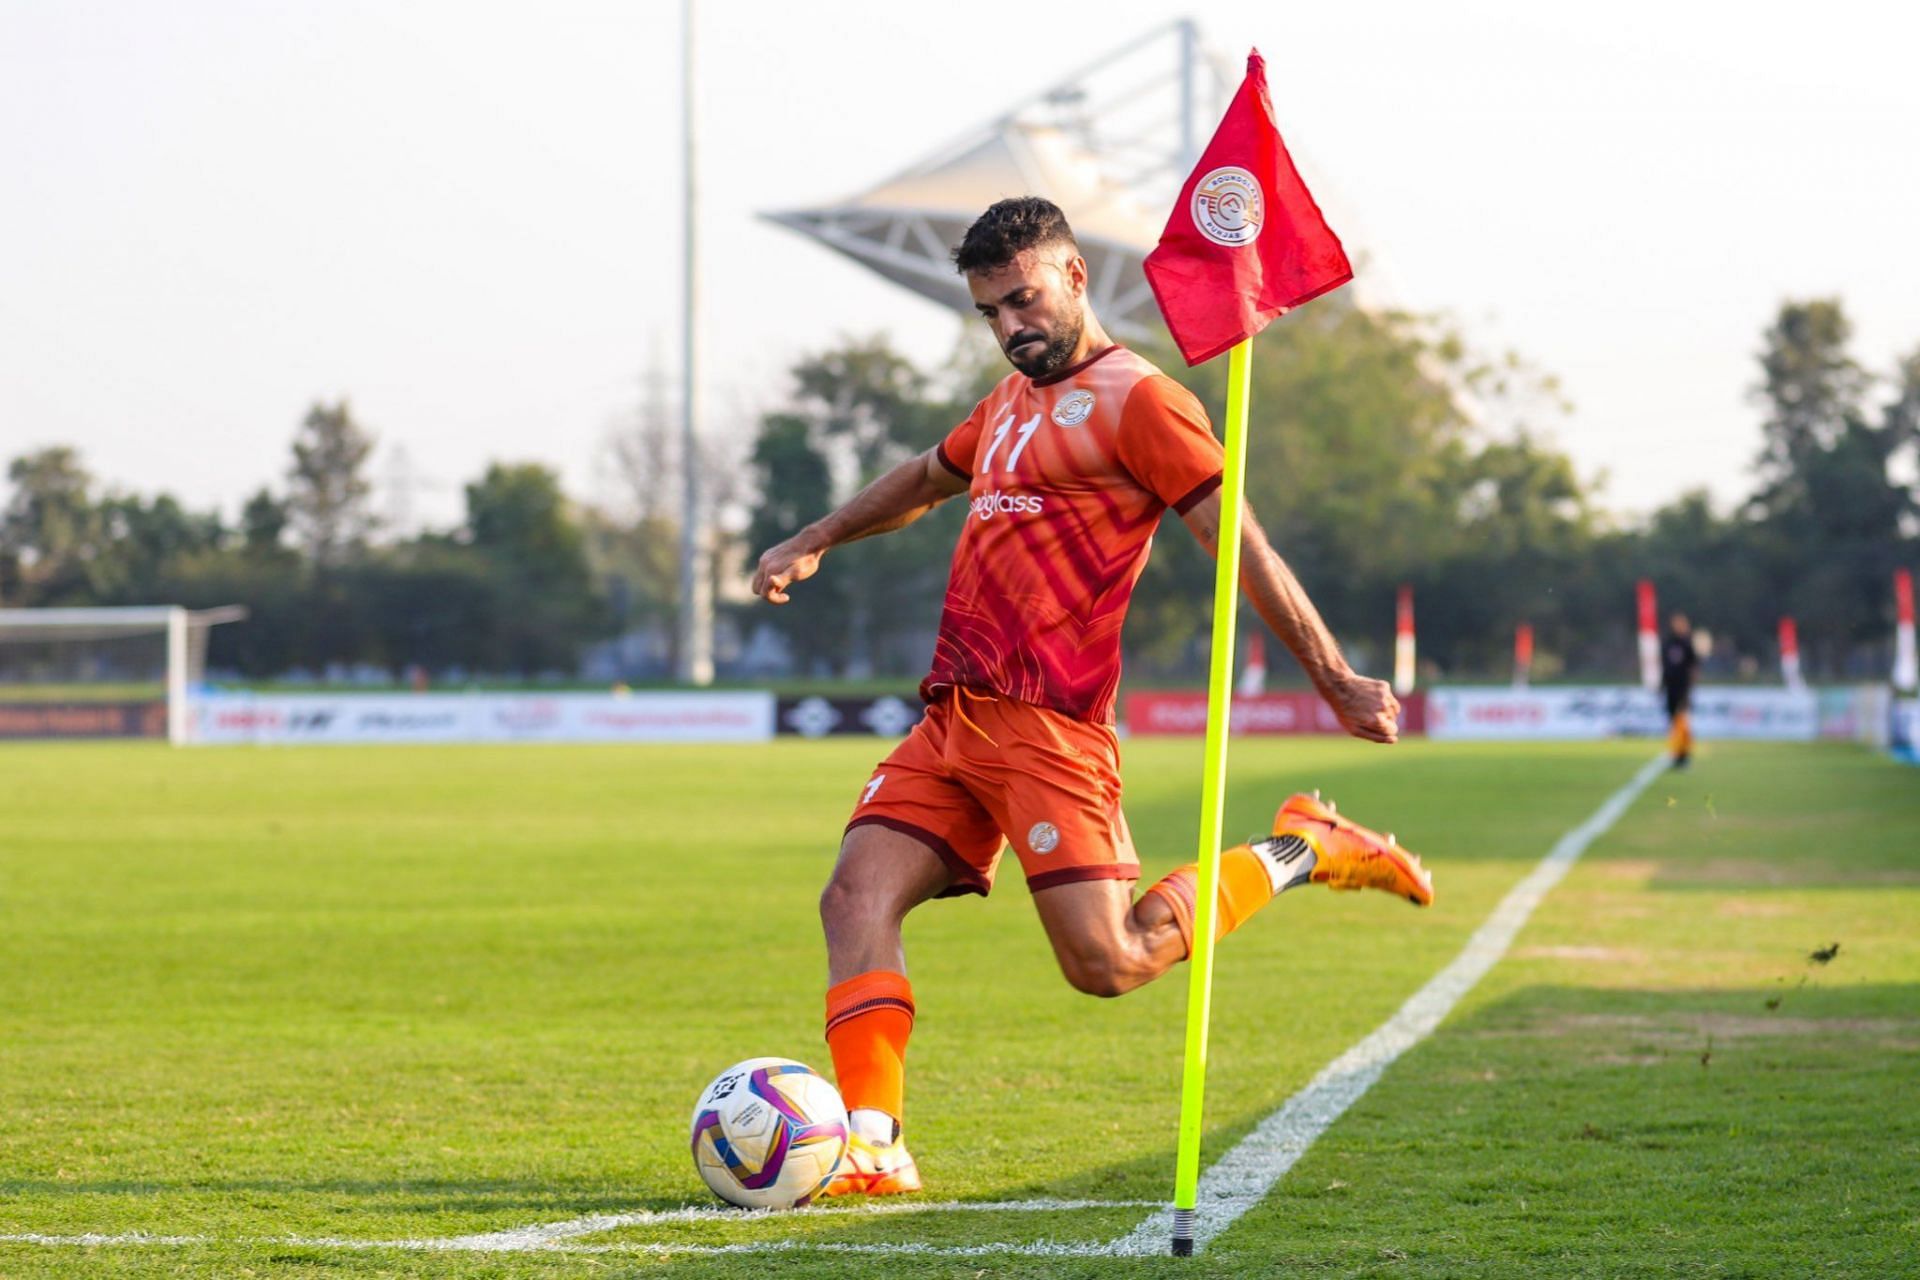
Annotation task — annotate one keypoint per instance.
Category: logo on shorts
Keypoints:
(1044, 837)
(1228, 207)
(1074, 408)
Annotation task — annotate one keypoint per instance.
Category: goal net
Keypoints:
(103, 672)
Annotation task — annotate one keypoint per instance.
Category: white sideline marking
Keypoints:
(1236, 1182)
(554, 1236)
(1243, 1177)
(89, 1239)
(540, 1236)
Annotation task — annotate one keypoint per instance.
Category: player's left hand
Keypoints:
(1367, 708)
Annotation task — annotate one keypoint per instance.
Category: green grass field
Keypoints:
(272, 1006)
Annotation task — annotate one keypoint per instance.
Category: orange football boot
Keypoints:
(874, 1169)
(1349, 856)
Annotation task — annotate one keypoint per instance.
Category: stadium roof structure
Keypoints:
(1110, 144)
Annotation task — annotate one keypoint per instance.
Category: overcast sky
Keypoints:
(464, 216)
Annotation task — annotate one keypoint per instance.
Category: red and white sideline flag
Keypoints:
(1906, 659)
(1403, 640)
(1790, 654)
(1649, 635)
(1253, 673)
(1246, 242)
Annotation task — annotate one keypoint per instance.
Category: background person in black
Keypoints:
(1678, 658)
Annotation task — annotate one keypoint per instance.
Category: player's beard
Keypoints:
(1057, 352)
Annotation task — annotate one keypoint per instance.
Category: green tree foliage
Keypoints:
(1811, 388)
(1367, 471)
(69, 546)
(510, 594)
(327, 486)
(519, 524)
(1829, 516)
(1383, 451)
(263, 524)
(796, 488)
(140, 537)
(857, 410)
(51, 528)
(439, 605)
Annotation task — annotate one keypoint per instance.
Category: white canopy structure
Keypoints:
(1109, 144)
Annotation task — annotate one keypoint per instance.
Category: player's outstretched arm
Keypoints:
(891, 502)
(1365, 706)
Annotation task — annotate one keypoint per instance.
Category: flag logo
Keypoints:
(1074, 408)
(1228, 207)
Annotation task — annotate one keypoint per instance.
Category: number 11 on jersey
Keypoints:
(1026, 430)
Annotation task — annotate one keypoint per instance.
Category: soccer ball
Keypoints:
(768, 1132)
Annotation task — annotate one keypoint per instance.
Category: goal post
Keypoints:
(61, 651)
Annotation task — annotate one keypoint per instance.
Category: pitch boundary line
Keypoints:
(1228, 1189)
(557, 1237)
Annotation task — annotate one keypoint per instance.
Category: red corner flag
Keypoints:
(1246, 242)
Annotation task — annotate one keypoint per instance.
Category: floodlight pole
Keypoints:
(696, 595)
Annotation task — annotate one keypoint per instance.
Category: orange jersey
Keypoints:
(1070, 476)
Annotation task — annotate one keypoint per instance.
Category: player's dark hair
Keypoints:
(1008, 229)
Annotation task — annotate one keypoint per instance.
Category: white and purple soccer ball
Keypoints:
(768, 1132)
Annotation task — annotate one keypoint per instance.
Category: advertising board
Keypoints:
(481, 717)
(1293, 712)
(83, 719)
(1612, 711)
(888, 716)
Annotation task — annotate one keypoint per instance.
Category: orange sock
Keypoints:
(1245, 887)
(869, 1018)
(1680, 740)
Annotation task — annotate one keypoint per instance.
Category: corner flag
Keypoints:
(1217, 278)
(1245, 243)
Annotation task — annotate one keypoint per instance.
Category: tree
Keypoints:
(1830, 514)
(796, 488)
(440, 605)
(518, 522)
(327, 486)
(51, 529)
(518, 518)
(263, 524)
(865, 400)
(141, 537)
(1811, 388)
(856, 410)
(1381, 450)
(633, 545)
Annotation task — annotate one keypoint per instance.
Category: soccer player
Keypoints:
(1069, 464)
(1678, 659)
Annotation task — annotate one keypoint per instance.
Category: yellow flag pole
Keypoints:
(1226, 602)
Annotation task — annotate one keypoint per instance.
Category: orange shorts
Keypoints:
(981, 771)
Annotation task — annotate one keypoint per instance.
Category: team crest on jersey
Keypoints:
(1044, 837)
(1074, 408)
(1228, 207)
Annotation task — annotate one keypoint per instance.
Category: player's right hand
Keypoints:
(1366, 708)
(782, 566)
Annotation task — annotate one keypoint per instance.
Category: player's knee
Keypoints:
(846, 902)
(840, 902)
